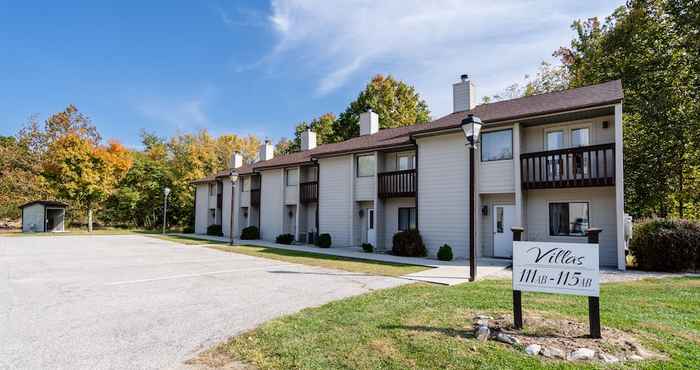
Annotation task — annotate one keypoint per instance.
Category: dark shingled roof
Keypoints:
(49, 203)
(491, 113)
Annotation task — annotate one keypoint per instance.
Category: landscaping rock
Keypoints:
(553, 352)
(482, 333)
(608, 359)
(582, 354)
(505, 338)
(635, 358)
(533, 349)
(483, 317)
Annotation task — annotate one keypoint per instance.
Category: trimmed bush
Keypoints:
(445, 253)
(367, 247)
(666, 245)
(215, 230)
(408, 244)
(285, 239)
(250, 233)
(324, 240)
(189, 229)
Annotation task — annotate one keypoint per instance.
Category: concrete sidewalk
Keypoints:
(441, 272)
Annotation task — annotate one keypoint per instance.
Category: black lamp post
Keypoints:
(471, 126)
(233, 176)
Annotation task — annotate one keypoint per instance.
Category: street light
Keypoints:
(471, 126)
(166, 192)
(233, 176)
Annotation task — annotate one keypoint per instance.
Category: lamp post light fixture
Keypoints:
(471, 126)
(233, 176)
(166, 192)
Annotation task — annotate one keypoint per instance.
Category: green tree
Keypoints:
(549, 78)
(652, 46)
(397, 104)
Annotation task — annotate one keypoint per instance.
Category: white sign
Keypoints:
(567, 268)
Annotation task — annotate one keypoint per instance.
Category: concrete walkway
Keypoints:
(441, 272)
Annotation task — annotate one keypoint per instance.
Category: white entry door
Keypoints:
(371, 233)
(503, 217)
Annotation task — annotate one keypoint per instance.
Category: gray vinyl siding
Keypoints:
(364, 188)
(291, 194)
(496, 177)
(33, 218)
(443, 193)
(335, 199)
(601, 215)
(202, 212)
(271, 204)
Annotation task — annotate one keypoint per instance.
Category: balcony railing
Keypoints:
(308, 192)
(397, 184)
(254, 197)
(569, 168)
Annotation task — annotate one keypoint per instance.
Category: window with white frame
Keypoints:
(292, 176)
(246, 183)
(366, 165)
(407, 218)
(496, 145)
(406, 161)
(568, 218)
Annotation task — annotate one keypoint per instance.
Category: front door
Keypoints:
(371, 233)
(503, 217)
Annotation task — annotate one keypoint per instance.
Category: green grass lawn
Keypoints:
(305, 258)
(425, 326)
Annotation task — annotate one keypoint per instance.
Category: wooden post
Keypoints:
(594, 302)
(517, 295)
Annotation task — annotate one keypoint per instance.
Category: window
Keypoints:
(568, 219)
(406, 162)
(497, 145)
(366, 165)
(580, 137)
(407, 218)
(499, 220)
(246, 183)
(555, 140)
(211, 189)
(292, 176)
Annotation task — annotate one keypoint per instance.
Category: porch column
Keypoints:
(517, 175)
(619, 189)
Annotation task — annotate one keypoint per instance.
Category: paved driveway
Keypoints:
(134, 302)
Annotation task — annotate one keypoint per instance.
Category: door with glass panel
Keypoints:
(503, 218)
(580, 137)
(555, 141)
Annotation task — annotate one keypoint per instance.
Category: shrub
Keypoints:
(215, 230)
(285, 239)
(445, 253)
(324, 240)
(250, 233)
(408, 244)
(666, 245)
(367, 247)
(189, 229)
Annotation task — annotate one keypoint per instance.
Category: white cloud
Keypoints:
(426, 43)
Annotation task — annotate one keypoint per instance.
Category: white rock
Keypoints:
(608, 359)
(533, 349)
(553, 352)
(504, 338)
(483, 317)
(482, 333)
(635, 358)
(582, 354)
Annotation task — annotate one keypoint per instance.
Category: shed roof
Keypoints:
(49, 203)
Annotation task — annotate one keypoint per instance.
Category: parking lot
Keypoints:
(136, 302)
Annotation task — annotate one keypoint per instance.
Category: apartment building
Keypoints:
(550, 163)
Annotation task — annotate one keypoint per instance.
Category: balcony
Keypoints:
(397, 184)
(569, 168)
(308, 192)
(254, 197)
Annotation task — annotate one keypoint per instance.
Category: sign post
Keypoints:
(564, 268)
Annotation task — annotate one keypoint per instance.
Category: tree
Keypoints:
(322, 126)
(652, 46)
(83, 172)
(549, 78)
(397, 104)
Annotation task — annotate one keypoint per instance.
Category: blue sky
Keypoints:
(259, 67)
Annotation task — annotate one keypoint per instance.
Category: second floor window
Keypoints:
(211, 189)
(246, 183)
(405, 162)
(497, 145)
(292, 175)
(366, 165)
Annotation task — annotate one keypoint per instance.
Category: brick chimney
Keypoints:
(369, 123)
(463, 95)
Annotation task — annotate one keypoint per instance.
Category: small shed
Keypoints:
(43, 216)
